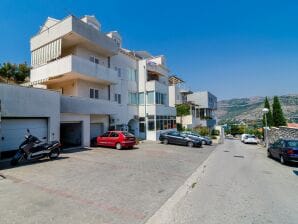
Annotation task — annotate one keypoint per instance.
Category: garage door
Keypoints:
(71, 134)
(13, 131)
(96, 129)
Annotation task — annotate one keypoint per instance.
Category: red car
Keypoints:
(116, 139)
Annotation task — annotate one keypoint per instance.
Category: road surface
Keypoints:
(238, 184)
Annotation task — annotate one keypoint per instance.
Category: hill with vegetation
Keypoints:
(250, 109)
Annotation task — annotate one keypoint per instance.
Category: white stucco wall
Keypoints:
(22, 102)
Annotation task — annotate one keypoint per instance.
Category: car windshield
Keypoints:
(251, 136)
(292, 144)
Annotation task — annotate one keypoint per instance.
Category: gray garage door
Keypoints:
(96, 129)
(13, 131)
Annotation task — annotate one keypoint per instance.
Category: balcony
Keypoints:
(207, 123)
(157, 69)
(80, 105)
(72, 67)
(73, 31)
(157, 86)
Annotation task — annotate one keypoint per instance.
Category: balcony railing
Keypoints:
(75, 66)
(81, 105)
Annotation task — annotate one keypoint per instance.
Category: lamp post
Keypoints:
(265, 111)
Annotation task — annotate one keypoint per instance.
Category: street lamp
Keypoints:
(265, 111)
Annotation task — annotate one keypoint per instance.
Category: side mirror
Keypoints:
(28, 131)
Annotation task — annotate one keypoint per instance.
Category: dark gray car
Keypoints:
(284, 150)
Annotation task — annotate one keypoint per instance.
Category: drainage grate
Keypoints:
(226, 151)
(239, 157)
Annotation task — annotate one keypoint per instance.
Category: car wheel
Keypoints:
(282, 160)
(190, 144)
(118, 146)
(269, 154)
(165, 141)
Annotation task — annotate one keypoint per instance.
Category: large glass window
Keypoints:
(132, 74)
(141, 98)
(160, 98)
(133, 98)
(150, 97)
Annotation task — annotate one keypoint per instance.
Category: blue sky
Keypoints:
(231, 48)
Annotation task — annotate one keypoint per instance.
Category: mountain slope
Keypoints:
(250, 109)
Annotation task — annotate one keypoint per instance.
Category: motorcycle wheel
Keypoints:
(54, 154)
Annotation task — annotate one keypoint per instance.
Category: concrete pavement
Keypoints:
(102, 185)
(238, 184)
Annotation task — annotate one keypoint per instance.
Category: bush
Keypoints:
(179, 127)
(215, 132)
(202, 130)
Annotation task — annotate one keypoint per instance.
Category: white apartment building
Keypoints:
(202, 105)
(102, 85)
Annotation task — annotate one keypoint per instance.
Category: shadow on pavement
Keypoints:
(5, 165)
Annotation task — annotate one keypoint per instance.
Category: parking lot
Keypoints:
(98, 185)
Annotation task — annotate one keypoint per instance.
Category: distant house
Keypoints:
(293, 125)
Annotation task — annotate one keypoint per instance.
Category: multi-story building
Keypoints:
(201, 105)
(102, 85)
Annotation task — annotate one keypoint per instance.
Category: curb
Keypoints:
(165, 213)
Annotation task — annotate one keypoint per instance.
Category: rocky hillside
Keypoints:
(250, 109)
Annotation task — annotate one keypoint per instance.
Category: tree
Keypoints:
(182, 110)
(22, 73)
(268, 115)
(278, 116)
(13, 72)
(8, 71)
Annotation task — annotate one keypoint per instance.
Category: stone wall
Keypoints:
(282, 132)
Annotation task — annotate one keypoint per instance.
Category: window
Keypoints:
(150, 97)
(133, 98)
(141, 98)
(94, 59)
(142, 127)
(114, 135)
(94, 93)
(160, 98)
(118, 98)
(91, 93)
(132, 74)
(105, 134)
(151, 125)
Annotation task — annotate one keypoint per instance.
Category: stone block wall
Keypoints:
(282, 132)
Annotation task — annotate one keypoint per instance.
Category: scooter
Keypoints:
(32, 149)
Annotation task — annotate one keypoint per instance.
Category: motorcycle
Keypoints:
(32, 149)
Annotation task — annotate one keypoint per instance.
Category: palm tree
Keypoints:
(8, 71)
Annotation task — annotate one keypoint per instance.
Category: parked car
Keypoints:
(250, 139)
(174, 137)
(116, 139)
(205, 140)
(243, 137)
(284, 150)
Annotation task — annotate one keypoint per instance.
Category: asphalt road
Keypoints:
(97, 186)
(239, 184)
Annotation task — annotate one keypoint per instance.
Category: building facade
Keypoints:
(202, 105)
(102, 86)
